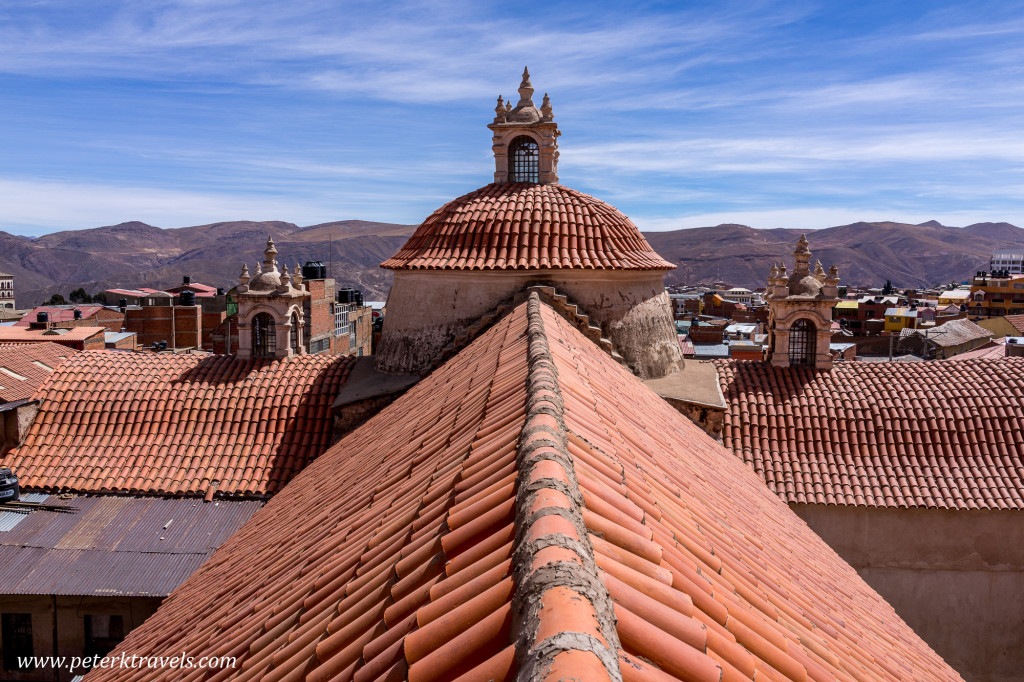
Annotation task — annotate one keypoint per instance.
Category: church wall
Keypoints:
(427, 309)
(955, 576)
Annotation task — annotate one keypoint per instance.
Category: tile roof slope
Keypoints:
(16, 334)
(524, 226)
(955, 333)
(159, 423)
(992, 351)
(530, 510)
(33, 361)
(1017, 321)
(58, 314)
(923, 434)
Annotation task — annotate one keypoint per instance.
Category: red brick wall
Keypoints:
(127, 343)
(153, 323)
(211, 321)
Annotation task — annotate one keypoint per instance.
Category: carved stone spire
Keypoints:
(819, 271)
(546, 112)
(297, 276)
(802, 256)
(525, 90)
(244, 278)
(500, 111)
(270, 262)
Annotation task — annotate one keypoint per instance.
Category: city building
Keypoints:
(900, 318)
(79, 338)
(1012, 263)
(995, 295)
(23, 368)
(800, 317)
(69, 316)
(6, 291)
(945, 341)
(474, 254)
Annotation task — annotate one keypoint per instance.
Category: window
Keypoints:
(293, 335)
(16, 634)
(802, 344)
(102, 634)
(264, 337)
(523, 160)
(341, 311)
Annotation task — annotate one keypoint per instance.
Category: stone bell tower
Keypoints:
(800, 311)
(525, 141)
(270, 315)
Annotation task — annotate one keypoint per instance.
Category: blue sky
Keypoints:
(788, 114)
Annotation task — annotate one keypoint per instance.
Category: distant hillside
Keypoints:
(866, 253)
(134, 254)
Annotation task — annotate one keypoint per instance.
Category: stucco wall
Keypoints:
(427, 309)
(956, 577)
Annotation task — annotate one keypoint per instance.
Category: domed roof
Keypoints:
(265, 281)
(526, 226)
(807, 286)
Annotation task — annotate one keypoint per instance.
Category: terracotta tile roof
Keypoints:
(1017, 321)
(58, 314)
(23, 367)
(993, 351)
(21, 334)
(170, 424)
(530, 511)
(522, 226)
(924, 434)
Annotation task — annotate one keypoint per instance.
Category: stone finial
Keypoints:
(819, 271)
(508, 107)
(269, 255)
(286, 278)
(500, 111)
(782, 270)
(773, 272)
(244, 278)
(259, 270)
(297, 276)
(526, 90)
(833, 271)
(546, 112)
(801, 245)
(802, 256)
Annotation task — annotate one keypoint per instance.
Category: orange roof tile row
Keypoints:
(24, 366)
(928, 434)
(13, 334)
(1017, 321)
(173, 424)
(523, 226)
(529, 511)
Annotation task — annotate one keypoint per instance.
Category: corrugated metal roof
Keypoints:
(847, 305)
(9, 519)
(113, 545)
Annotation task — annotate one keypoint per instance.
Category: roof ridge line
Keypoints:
(561, 608)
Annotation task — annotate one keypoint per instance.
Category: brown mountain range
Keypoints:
(135, 254)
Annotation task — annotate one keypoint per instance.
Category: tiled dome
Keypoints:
(526, 226)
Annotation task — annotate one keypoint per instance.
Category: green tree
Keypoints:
(56, 299)
(79, 296)
(888, 289)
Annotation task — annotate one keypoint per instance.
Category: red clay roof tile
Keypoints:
(110, 421)
(935, 434)
(523, 226)
(365, 566)
(25, 366)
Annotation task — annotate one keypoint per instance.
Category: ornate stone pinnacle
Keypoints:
(546, 111)
(499, 111)
(269, 254)
(801, 246)
(526, 90)
(244, 277)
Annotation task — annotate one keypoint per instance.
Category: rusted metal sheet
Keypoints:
(115, 546)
